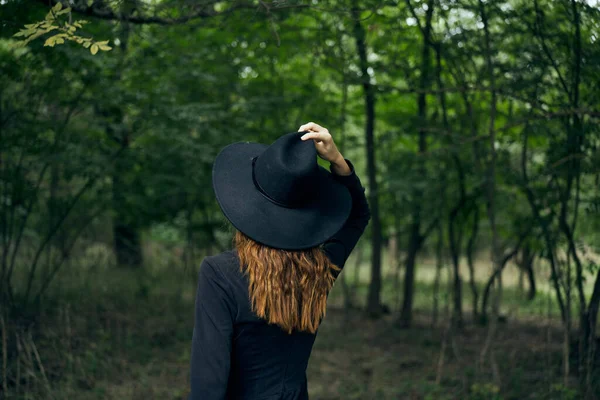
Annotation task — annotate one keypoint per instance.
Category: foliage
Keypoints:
(560, 391)
(68, 31)
(485, 391)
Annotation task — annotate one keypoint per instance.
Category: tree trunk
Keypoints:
(487, 291)
(373, 308)
(439, 263)
(359, 259)
(590, 319)
(454, 237)
(416, 238)
(471, 263)
(347, 289)
(455, 245)
(128, 250)
(491, 185)
(526, 267)
(409, 281)
(398, 264)
(544, 224)
(126, 236)
(392, 248)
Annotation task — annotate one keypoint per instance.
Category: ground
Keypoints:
(358, 358)
(110, 334)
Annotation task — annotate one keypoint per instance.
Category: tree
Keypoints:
(373, 300)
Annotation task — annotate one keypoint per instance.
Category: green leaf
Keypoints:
(104, 45)
(94, 49)
(51, 41)
(23, 32)
(64, 11)
(86, 44)
(40, 33)
(57, 7)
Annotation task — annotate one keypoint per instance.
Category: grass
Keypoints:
(514, 300)
(104, 333)
(356, 358)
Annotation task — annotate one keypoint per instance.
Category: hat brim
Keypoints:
(273, 225)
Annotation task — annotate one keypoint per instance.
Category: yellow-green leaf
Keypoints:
(64, 11)
(94, 49)
(50, 41)
(104, 47)
(23, 32)
(87, 44)
(57, 7)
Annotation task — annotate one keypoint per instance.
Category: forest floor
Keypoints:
(358, 358)
(110, 334)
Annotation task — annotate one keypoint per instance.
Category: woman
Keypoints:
(258, 307)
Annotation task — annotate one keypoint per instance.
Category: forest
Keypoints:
(473, 124)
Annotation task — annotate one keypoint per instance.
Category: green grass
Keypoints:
(514, 302)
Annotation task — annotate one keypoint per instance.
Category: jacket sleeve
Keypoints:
(212, 337)
(339, 247)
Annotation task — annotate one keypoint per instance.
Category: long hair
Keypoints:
(287, 288)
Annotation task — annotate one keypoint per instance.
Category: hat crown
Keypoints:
(285, 172)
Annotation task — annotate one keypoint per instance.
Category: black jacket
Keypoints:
(235, 354)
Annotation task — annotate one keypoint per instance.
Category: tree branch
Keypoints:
(203, 13)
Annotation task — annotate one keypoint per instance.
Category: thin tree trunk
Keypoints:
(392, 248)
(409, 279)
(373, 308)
(416, 237)
(346, 288)
(495, 278)
(126, 236)
(526, 268)
(544, 224)
(398, 265)
(346, 293)
(491, 180)
(471, 263)
(455, 244)
(454, 237)
(359, 259)
(568, 322)
(439, 263)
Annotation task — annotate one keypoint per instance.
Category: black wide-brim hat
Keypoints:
(278, 195)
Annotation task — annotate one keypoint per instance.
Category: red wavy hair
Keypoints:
(287, 288)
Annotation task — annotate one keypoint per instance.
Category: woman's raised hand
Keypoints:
(326, 148)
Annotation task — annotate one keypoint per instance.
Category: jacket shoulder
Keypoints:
(225, 263)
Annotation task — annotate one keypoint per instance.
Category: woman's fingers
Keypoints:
(321, 136)
(311, 126)
(324, 144)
